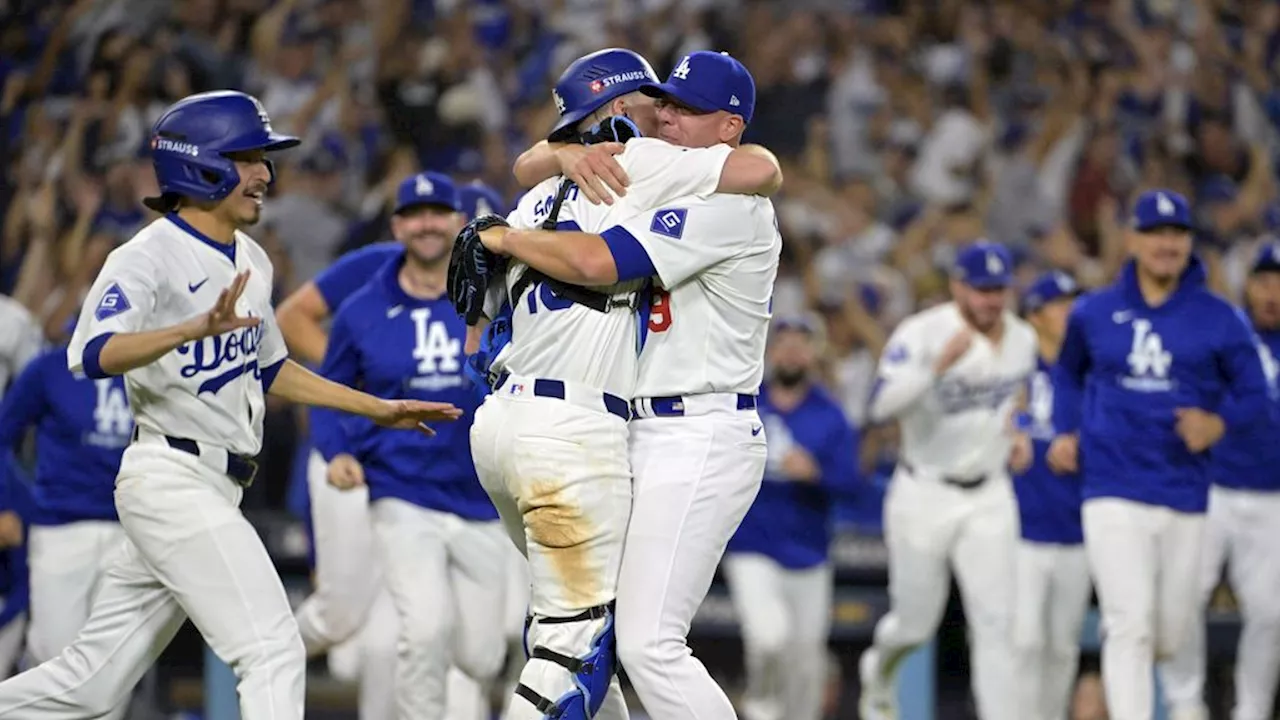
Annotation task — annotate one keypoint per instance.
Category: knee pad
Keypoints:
(591, 672)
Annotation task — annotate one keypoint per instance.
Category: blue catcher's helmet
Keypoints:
(191, 140)
(593, 80)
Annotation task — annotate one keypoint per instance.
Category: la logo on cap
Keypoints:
(423, 186)
(994, 266)
(559, 101)
(682, 70)
(1164, 205)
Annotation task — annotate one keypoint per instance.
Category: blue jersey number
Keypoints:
(550, 300)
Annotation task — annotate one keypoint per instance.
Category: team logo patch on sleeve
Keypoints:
(669, 222)
(113, 303)
(896, 354)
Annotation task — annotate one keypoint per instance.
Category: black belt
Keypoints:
(240, 468)
(542, 387)
(971, 483)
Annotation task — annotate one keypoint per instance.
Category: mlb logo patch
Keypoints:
(669, 222)
(113, 303)
(515, 388)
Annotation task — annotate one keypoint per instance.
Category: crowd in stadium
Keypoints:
(906, 131)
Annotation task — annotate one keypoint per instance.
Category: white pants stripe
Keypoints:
(1242, 531)
(1052, 598)
(1145, 562)
(785, 617)
(190, 552)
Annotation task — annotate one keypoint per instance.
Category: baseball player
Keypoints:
(1169, 367)
(551, 441)
(183, 311)
(1242, 530)
(777, 566)
(697, 448)
(82, 428)
(435, 529)
(1051, 591)
(349, 588)
(950, 376)
(15, 511)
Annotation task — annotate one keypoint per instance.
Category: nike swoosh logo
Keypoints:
(395, 311)
(756, 430)
(196, 286)
(1121, 316)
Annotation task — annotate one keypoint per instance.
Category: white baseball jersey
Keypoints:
(955, 425)
(210, 390)
(559, 339)
(716, 258)
(20, 339)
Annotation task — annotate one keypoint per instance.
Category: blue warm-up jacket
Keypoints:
(1125, 367)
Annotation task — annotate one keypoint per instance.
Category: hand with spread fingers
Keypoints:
(222, 317)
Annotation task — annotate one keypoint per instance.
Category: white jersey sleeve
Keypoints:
(904, 374)
(660, 171)
(121, 300)
(690, 235)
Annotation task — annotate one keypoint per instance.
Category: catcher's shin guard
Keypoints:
(590, 673)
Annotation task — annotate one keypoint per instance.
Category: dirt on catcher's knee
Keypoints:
(557, 523)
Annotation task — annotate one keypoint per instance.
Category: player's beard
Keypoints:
(789, 377)
(974, 321)
(430, 259)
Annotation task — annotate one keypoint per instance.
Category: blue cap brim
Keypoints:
(681, 93)
(425, 203)
(1164, 224)
(990, 283)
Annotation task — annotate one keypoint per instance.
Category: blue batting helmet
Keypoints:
(191, 140)
(593, 80)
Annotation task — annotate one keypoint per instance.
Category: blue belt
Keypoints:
(613, 404)
(673, 405)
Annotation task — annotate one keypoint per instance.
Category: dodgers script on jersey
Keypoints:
(957, 427)
(716, 258)
(604, 345)
(168, 273)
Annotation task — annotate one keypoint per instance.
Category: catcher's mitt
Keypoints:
(472, 266)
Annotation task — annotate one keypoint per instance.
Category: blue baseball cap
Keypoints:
(985, 265)
(1047, 288)
(427, 188)
(479, 199)
(709, 81)
(1267, 259)
(1161, 208)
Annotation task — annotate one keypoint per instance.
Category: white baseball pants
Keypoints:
(341, 616)
(11, 643)
(1052, 597)
(785, 616)
(446, 577)
(695, 478)
(1145, 561)
(559, 475)
(1242, 530)
(348, 574)
(190, 553)
(67, 563)
(932, 528)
